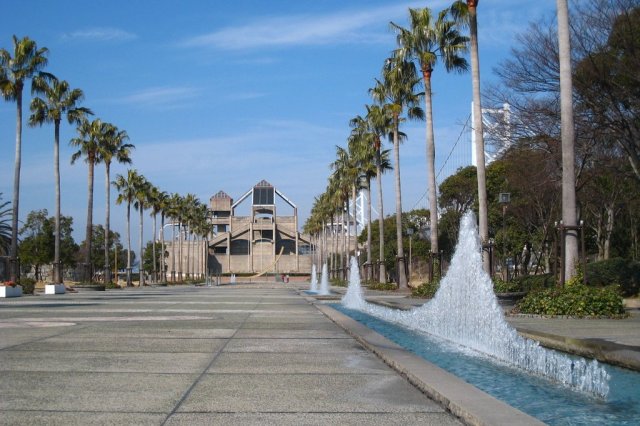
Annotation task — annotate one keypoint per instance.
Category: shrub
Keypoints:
(577, 300)
(426, 290)
(382, 286)
(339, 283)
(615, 271)
(28, 285)
(501, 286)
(534, 282)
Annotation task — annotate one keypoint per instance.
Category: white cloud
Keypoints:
(162, 97)
(100, 34)
(348, 26)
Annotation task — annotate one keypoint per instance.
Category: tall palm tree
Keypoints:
(25, 62)
(569, 217)
(141, 195)
(90, 137)
(428, 39)
(468, 14)
(397, 91)
(5, 227)
(113, 146)
(162, 200)
(155, 207)
(175, 213)
(380, 123)
(126, 187)
(54, 101)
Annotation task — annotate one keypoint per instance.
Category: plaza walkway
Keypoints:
(194, 355)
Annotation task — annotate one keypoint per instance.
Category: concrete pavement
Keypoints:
(194, 355)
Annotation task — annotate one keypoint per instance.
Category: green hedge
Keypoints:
(534, 282)
(426, 290)
(576, 300)
(381, 286)
(501, 286)
(28, 285)
(615, 271)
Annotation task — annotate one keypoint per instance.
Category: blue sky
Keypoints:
(218, 95)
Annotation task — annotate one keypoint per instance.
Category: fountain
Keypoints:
(465, 311)
(314, 280)
(353, 298)
(324, 282)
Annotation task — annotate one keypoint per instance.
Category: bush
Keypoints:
(28, 285)
(615, 271)
(382, 286)
(426, 290)
(501, 286)
(534, 282)
(339, 283)
(577, 300)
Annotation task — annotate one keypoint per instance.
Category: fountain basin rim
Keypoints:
(472, 405)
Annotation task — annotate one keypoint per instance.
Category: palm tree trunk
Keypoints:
(141, 261)
(369, 239)
(162, 265)
(89, 230)
(383, 269)
(107, 222)
(180, 251)
(188, 251)
(431, 162)
(173, 251)
(153, 241)
(569, 216)
(16, 190)
(129, 284)
(343, 263)
(57, 272)
(483, 221)
(400, 272)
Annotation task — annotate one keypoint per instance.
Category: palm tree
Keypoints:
(155, 206)
(468, 13)
(113, 146)
(162, 200)
(91, 137)
(175, 213)
(397, 91)
(57, 100)
(126, 187)
(568, 141)
(27, 60)
(141, 195)
(429, 39)
(5, 227)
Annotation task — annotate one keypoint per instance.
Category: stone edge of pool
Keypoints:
(470, 404)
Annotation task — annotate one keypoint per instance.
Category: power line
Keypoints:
(464, 127)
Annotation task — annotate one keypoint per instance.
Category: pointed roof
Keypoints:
(221, 194)
(263, 184)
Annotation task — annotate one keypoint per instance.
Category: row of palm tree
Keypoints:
(97, 142)
(396, 97)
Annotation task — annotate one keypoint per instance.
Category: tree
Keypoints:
(381, 124)
(97, 250)
(605, 77)
(27, 60)
(5, 227)
(141, 195)
(91, 136)
(428, 39)
(36, 248)
(397, 92)
(113, 146)
(127, 187)
(54, 101)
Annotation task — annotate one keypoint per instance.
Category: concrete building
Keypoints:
(265, 241)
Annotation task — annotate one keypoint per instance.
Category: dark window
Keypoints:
(262, 196)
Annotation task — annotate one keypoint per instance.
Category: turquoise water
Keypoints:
(538, 397)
